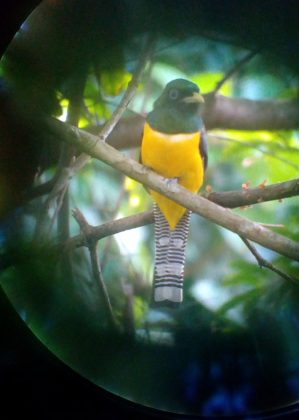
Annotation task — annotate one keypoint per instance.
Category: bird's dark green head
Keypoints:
(178, 108)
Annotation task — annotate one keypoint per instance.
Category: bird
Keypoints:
(174, 145)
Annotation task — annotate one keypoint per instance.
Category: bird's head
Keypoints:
(180, 93)
(178, 108)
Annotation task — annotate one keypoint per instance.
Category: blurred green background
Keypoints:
(233, 346)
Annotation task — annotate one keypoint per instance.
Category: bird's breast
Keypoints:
(171, 155)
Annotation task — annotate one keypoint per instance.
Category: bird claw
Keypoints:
(171, 182)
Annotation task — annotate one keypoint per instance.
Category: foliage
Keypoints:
(229, 301)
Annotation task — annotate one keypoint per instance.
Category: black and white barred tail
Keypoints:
(169, 258)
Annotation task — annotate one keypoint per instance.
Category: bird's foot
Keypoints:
(172, 182)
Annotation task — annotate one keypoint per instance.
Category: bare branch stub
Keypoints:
(85, 227)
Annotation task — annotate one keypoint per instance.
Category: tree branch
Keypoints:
(43, 225)
(222, 216)
(219, 112)
(233, 199)
(233, 70)
(129, 94)
(230, 199)
(110, 228)
(91, 244)
(246, 114)
(262, 262)
(39, 190)
(67, 172)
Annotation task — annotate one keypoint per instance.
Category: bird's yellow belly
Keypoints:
(173, 156)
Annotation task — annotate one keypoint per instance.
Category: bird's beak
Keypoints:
(195, 98)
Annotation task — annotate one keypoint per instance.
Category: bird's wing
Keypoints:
(203, 147)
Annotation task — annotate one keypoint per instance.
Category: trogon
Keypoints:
(174, 145)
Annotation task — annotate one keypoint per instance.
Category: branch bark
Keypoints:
(110, 228)
(91, 243)
(262, 262)
(84, 158)
(220, 112)
(222, 216)
(230, 199)
(233, 199)
(246, 114)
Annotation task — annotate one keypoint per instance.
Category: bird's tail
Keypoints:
(169, 258)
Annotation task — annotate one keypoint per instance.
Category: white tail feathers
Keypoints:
(168, 293)
(170, 258)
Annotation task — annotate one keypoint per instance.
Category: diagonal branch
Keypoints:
(262, 262)
(230, 199)
(222, 216)
(58, 199)
(67, 172)
(106, 130)
(130, 92)
(234, 70)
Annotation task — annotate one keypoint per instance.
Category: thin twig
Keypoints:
(262, 262)
(147, 89)
(43, 224)
(67, 157)
(130, 92)
(234, 70)
(273, 225)
(67, 173)
(106, 250)
(255, 147)
(39, 190)
(91, 244)
(128, 96)
(59, 202)
(59, 194)
(128, 311)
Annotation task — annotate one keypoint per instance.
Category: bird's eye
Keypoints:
(173, 94)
